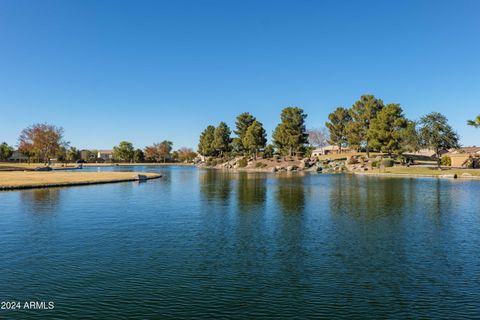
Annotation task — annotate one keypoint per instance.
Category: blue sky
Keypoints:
(145, 71)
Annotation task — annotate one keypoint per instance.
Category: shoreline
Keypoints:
(20, 180)
(10, 167)
(415, 175)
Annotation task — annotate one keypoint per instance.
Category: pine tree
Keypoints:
(436, 133)
(255, 138)
(205, 146)
(290, 135)
(221, 139)
(242, 123)
(363, 112)
(337, 126)
(387, 130)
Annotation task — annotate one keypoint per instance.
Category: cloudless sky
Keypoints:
(145, 71)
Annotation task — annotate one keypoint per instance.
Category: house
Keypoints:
(17, 156)
(106, 155)
(428, 153)
(465, 157)
(85, 154)
(329, 150)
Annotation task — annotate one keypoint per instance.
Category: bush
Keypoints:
(446, 161)
(387, 163)
(260, 165)
(374, 164)
(242, 163)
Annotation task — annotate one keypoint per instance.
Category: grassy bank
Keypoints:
(8, 166)
(425, 171)
(30, 179)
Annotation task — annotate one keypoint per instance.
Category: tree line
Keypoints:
(368, 125)
(289, 137)
(157, 152)
(43, 142)
(372, 125)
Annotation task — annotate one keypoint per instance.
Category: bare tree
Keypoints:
(318, 137)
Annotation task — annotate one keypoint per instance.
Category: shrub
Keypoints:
(242, 163)
(260, 165)
(388, 163)
(446, 161)
(375, 164)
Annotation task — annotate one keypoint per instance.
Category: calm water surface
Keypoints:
(207, 244)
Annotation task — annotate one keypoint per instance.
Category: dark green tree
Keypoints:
(72, 154)
(337, 124)
(387, 130)
(436, 133)
(410, 140)
(5, 151)
(205, 146)
(255, 138)
(124, 151)
(269, 151)
(242, 123)
(474, 123)
(61, 154)
(138, 155)
(362, 112)
(221, 139)
(164, 149)
(290, 135)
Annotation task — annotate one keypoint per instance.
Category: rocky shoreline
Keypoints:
(274, 165)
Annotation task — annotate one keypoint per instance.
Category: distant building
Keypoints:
(428, 153)
(329, 150)
(465, 157)
(17, 156)
(106, 155)
(85, 155)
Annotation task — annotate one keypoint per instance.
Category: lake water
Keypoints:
(208, 244)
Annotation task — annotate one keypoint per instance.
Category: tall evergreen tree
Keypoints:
(386, 131)
(221, 138)
(255, 138)
(242, 123)
(436, 133)
(290, 135)
(411, 139)
(205, 145)
(363, 112)
(337, 126)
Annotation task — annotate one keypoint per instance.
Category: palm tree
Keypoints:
(474, 123)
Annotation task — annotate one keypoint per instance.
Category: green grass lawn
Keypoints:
(426, 171)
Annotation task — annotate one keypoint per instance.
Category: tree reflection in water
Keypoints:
(41, 201)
